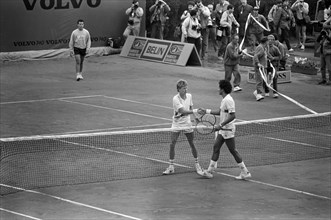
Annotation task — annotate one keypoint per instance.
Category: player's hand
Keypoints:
(202, 111)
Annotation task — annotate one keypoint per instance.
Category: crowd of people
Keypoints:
(234, 30)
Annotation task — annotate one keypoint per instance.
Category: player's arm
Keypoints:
(230, 118)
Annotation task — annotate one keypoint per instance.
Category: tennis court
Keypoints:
(93, 165)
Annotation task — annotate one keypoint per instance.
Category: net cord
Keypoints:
(61, 136)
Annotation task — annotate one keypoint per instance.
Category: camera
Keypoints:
(130, 22)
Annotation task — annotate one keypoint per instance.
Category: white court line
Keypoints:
(20, 214)
(46, 100)
(116, 109)
(137, 102)
(299, 143)
(71, 201)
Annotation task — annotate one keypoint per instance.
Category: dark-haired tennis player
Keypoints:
(227, 118)
(183, 107)
(79, 45)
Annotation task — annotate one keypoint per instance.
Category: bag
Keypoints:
(219, 32)
(178, 31)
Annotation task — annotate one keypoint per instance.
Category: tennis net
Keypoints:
(44, 161)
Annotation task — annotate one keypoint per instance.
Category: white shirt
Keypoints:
(178, 102)
(227, 107)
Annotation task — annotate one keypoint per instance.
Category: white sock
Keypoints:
(171, 162)
(196, 160)
(243, 167)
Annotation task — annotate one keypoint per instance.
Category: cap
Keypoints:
(134, 1)
(256, 8)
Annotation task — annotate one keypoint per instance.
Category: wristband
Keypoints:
(208, 111)
(195, 111)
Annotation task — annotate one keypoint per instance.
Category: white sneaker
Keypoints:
(207, 174)
(199, 169)
(243, 176)
(79, 76)
(302, 47)
(275, 95)
(267, 94)
(237, 89)
(259, 97)
(291, 50)
(169, 170)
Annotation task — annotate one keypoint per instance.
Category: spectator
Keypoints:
(212, 29)
(241, 15)
(261, 4)
(226, 25)
(231, 62)
(260, 64)
(325, 54)
(272, 14)
(159, 16)
(274, 57)
(254, 29)
(283, 51)
(186, 13)
(135, 15)
(301, 10)
(284, 20)
(192, 30)
(205, 21)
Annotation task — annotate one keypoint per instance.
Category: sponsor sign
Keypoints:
(283, 76)
(170, 52)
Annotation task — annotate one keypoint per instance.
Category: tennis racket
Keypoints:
(206, 124)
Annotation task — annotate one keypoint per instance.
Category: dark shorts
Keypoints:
(301, 22)
(79, 51)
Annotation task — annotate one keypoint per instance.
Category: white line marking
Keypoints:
(116, 109)
(111, 129)
(55, 99)
(20, 214)
(279, 187)
(71, 201)
(137, 102)
(299, 143)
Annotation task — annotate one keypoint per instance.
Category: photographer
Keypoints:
(206, 22)
(226, 26)
(192, 30)
(325, 52)
(283, 21)
(135, 15)
(160, 10)
(301, 10)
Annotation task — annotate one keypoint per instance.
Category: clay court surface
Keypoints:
(43, 98)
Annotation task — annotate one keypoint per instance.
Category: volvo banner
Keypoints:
(47, 24)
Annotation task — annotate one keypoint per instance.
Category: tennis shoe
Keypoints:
(199, 169)
(302, 47)
(244, 175)
(207, 174)
(79, 76)
(237, 89)
(267, 94)
(291, 50)
(259, 97)
(275, 95)
(169, 170)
